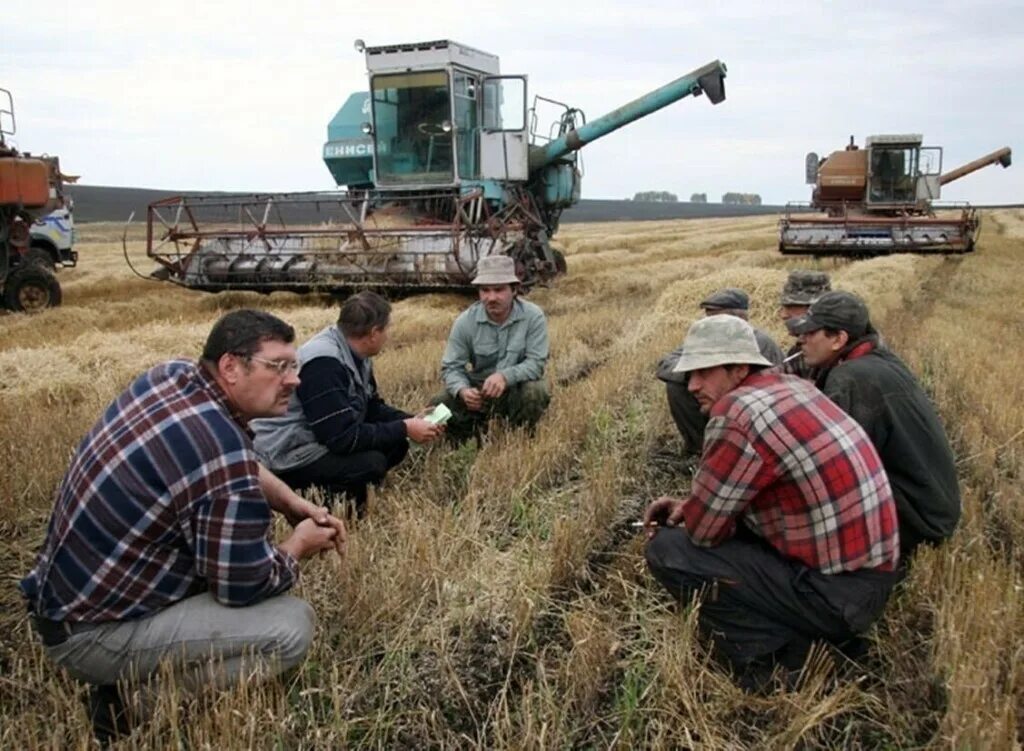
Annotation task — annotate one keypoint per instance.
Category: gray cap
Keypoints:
(496, 270)
(802, 287)
(719, 340)
(729, 298)
(842, 311)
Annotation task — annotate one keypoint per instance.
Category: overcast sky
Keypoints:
(237, 95)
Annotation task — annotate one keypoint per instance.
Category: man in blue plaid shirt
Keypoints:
(159, 544)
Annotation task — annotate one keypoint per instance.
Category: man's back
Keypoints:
(800, 473)
(881, 394)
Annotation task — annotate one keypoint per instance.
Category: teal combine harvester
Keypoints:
(443, 163)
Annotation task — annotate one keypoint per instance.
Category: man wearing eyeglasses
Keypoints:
(338, 433)
(159, 545)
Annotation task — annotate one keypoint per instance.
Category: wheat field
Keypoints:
(496, 596)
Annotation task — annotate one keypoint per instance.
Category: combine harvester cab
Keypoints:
(444, 164)
(882, 199)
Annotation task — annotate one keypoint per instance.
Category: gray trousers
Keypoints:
(758, 605)
(205, 643)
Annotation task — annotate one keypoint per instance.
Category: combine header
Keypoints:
(444, 164)
(881, 199)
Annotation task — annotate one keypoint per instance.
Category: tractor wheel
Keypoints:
(40, 257)
(31, 288)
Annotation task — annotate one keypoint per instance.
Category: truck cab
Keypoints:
(901, 171)
(52, 239)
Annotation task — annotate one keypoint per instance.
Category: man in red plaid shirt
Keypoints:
(790, 527)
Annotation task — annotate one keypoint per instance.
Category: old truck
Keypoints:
(30, 188)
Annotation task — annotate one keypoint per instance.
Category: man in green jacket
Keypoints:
(875, 388)
(494, 362)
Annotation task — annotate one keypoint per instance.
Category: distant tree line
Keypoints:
(663, 196)
(744, 199)
(656, 196)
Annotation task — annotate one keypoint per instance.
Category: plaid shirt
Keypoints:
(161, 501)
(799, 472)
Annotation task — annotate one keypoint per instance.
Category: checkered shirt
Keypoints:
(799, 472)
(161, 501)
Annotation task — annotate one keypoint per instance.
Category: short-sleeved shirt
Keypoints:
(161, 501)
(516, 348)
(799, 472)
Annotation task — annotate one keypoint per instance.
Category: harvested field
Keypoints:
(496, 597)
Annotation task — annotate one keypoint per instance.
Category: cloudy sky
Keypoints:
(235, 95)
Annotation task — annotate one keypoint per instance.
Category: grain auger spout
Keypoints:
(709, 79)
(1001, 156)
(443, 161)
(883, 199)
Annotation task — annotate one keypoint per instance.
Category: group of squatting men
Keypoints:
(818, 474)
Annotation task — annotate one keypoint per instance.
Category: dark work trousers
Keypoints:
(760, 607)
(686, 413)
(347, 474)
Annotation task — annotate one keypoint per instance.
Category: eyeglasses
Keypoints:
(281, 367)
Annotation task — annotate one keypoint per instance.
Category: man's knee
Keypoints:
(533, 399)
(672, 560)
(292, 624)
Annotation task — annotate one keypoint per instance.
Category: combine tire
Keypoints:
(31, 288)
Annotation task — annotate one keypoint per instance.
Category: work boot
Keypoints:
(107, 714)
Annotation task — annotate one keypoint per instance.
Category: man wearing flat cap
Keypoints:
(790, 527)
(874, 386)
(802, 287)
(684, 408)
(493, 364)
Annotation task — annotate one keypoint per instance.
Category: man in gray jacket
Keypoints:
(681, 403)
(338, 434)
(493, 364)
(874, 387)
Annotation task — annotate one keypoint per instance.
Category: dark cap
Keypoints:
(842, 311)
(803, 287)
(729, 298)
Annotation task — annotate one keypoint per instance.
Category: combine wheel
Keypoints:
(559, 260)
(31, 288)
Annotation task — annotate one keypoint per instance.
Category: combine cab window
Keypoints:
(893, 175)
(466, 126)
(413, 128)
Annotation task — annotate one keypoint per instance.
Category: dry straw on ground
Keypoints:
(496, 598)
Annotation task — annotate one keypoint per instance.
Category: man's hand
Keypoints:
(472, 398)
(421, 431)
(309, 538)
(494, 386)
(664, 512)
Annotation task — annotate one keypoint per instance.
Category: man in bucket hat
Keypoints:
(802, 287)
(493, 364)
(874, 386)
(790, 526)
(684, 408)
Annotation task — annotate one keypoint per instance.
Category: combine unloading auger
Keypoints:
(883, 199)
(443, 163)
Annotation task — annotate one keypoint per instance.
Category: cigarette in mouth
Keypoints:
(792, 357)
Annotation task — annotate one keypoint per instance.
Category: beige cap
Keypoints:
(719, 340)
(496, 270)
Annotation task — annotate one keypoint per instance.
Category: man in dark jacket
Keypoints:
(338, 433)
(802, 287)
(874, 386)
(685, 410)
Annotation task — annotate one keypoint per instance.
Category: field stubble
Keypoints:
(496, 596)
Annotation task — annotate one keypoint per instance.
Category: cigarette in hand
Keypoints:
(640, 525)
